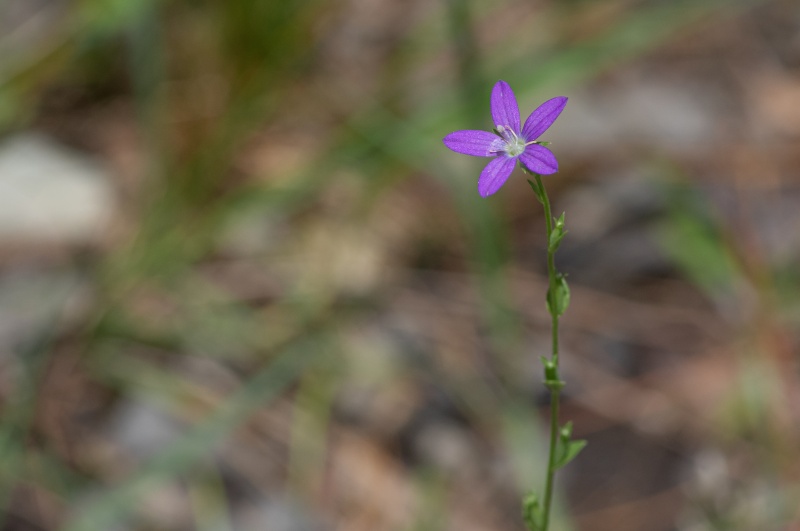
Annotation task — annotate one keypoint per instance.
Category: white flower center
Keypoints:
(511, 144)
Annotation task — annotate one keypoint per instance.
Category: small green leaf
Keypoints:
(565, 433)
(537, 190)
(571, 450)
(567, 449)
(560, 220)
(532, 512)
(558, 300)
(555, 239)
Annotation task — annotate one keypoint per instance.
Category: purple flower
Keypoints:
(508, 144)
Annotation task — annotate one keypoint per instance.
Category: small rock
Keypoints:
(50, 193)
(143, 430)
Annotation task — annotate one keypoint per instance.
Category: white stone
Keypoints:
(50, 193)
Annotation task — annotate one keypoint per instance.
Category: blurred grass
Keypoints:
(758, 408)
(262, 52)
(19, 411)
(114, 506)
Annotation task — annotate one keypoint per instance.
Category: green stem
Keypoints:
(551, 465)
(554, 389)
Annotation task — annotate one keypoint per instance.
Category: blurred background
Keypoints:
(244, 286)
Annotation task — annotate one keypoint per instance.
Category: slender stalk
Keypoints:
(551, 465)
(551, 262)
(554, 389)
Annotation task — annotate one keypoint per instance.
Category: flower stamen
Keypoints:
(513, 144)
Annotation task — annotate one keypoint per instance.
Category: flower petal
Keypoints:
(505, 110)
(472, 142)
(543, 117)
(539, 160)
(495, 174)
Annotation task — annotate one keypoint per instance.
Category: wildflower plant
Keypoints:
(509, 145)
